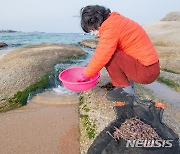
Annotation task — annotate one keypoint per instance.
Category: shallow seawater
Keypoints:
(165, 93)
(61, 90)
(59, 96)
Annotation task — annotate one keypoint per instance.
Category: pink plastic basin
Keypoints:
(69, 79)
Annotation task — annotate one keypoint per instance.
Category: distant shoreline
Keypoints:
(8, 31)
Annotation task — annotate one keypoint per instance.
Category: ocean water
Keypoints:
(20, 39)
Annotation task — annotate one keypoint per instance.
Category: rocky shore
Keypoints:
(2, 45)
(90, 43)
(23, 67)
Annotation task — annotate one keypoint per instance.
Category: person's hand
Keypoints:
(82, 78)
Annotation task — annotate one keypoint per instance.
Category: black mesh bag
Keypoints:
(148, 113)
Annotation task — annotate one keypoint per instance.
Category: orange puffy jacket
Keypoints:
(119, 32)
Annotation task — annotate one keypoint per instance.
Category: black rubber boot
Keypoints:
(118, 94)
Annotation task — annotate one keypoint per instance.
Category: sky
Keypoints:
(62, 16)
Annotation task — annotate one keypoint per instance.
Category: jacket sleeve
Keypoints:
(105, 49)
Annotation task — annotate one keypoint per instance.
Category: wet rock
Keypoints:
(171, 76)
(2, 44)
(108, 86)
(90, 43)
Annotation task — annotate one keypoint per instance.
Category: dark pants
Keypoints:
(122, 68)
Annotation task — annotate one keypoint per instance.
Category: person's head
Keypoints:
(93, 16)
